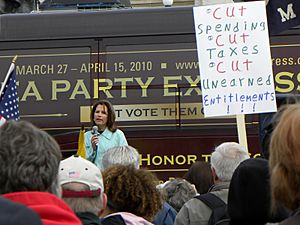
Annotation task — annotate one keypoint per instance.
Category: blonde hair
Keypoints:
(285, 159)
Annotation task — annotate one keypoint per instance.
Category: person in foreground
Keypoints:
(127, 155)
(82, 188)
(285, 163)
(104, 133)
(29, 161)
(224, 161)
(249, 198)
(132, 197)
(12, 213)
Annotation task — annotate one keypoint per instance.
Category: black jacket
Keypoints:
(113, 220)
(12, 213)
(88, 218)
(249, 198)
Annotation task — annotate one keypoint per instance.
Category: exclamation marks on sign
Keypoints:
(254, 107)
(242, 108)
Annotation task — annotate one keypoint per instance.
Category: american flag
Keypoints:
(9, 103)
(74, 174)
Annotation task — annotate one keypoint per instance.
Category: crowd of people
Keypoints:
(37, 186)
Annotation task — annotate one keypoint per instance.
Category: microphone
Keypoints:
(94, 130)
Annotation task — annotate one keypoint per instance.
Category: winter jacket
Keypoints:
(88, 218)
(166, 216)
(195, 212)
(12, 213)
(51, 209)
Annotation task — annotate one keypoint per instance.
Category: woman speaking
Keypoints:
(104, 133)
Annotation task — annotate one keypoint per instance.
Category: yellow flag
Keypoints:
(81, 145)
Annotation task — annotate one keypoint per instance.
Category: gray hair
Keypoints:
(93, 205)
(124, 155)
(226, 158)
(29, 159)
(179, 191)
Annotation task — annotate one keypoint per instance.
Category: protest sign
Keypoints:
(234, 59)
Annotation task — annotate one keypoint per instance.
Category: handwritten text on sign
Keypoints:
(234, 59)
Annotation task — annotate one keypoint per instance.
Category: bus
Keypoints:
(144, 61)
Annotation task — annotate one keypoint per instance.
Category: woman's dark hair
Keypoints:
(111, 116)
(200, 175)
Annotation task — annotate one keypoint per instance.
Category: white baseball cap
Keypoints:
(80, 170)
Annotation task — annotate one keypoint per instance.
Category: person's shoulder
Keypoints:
(194, 204)
(119, 132)
(118, 136)
(88, 132)
(293, 220)
(193, 211)
(113, 220)
(88, 218)
(14, 213)
(166, 215)
(222, 194)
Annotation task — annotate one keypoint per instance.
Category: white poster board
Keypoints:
(234, 59)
